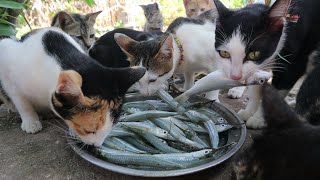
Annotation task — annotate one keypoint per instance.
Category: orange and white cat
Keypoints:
(196, 7)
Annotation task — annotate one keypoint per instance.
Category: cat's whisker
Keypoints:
(261, 35)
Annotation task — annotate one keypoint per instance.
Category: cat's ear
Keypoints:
(125, 43)
(143, 7)
(156, 5)
(62, 19)
(126, 77)
(277, 113)
(93, 16)
(166, 47)
(221, 8)
(277, 14)
(185, 2)
(68, 91)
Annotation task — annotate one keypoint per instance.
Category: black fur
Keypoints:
(302, 38)
(287, 150)
(308, 98)
(106, 51)
(98, 81)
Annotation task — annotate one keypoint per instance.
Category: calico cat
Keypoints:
(107, 52)
(48, 71)
(194, 8)
(154, 18)
(185, 48)
(78, 26)
(288, 149)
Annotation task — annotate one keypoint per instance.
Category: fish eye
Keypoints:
(254, 55)
(224, 54)
(165, 132)
(206, 152)
(92, 36)
(221, 119)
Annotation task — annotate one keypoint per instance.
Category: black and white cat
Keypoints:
(48, 71)
(289, 147)
(258, 37)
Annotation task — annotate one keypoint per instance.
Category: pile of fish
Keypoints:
(164, 134)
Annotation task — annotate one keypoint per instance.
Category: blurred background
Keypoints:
(115, 13)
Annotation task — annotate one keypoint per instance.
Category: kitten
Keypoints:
(194, 8)
(287, 149)
(48, 71)
(107, 52)
(78, 26)
(186, 48)
(154, 18)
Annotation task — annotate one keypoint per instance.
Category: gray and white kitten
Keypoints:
(78, 26)
(154, 18)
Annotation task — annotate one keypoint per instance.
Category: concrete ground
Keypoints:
(46, 155)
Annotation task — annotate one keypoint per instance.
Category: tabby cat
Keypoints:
(154, 18)
(78, 26)
(48, 71)
(288, 149)
(194, 8)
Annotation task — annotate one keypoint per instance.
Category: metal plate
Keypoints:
(236, 134)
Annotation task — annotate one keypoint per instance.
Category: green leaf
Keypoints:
(10, 4)
(7, 30)
(2, 21)
(90, 2)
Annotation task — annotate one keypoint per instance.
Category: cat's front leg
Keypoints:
(188, 81)
(256, 121)
(254, 94)
(30, 119)
(236, 92)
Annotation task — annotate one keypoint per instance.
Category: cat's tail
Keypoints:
(277, 113)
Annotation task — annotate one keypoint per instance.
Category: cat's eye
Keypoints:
(152, 80)
(92, 36)
(254, 55)
(224, 54)
(79, 37)
(89, 132)
(202, 9)
(192, 10)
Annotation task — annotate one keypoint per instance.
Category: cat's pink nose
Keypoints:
(236, 77)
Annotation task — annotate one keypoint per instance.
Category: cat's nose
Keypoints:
(236, 77)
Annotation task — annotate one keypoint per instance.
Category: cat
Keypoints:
(287, 149)
(48, 71)
(308, 97)
(194, 8)
(78, 26)
(185, 48)
(261, 37)
(108, 53)
(154, 18)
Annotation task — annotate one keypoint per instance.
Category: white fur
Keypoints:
(29, 76)
(198, 56)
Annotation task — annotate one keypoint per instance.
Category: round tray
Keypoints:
(236, 134)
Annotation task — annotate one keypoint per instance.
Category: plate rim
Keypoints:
(166, 173)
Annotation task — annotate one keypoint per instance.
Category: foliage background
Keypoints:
(116, 13)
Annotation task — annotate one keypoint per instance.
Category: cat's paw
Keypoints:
(256, 121)
(244, 115)
(31, 126)
(236, 92)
